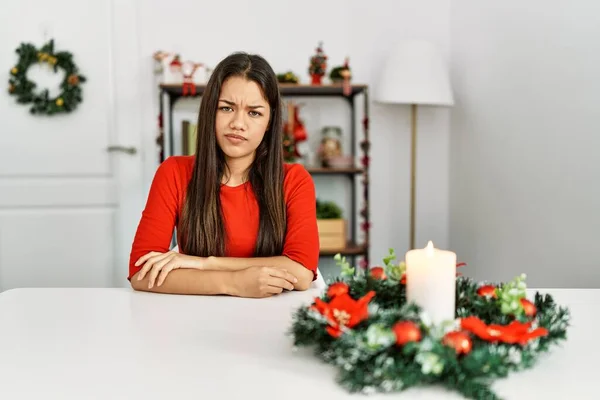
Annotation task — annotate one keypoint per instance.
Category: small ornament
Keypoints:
(365, 161)
(378, 273)
(318, 65)
(288, 77)
(406, 331)
(188, 69)
(331, 144)
(459, 341)
(346, 76)
(337, 289)
(175, 64)
(14, 70)
(343, 312)
(60, 102)
(528, 307)
(167, 67)
(73, 79)
(487, 291)
(11, 88)
(365, 145)
(294, 133)
(159, 57)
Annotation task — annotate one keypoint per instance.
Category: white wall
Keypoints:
(287, 37)
(525, 140)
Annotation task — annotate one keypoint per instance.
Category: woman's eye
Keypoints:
(225, 108)
(255, 113)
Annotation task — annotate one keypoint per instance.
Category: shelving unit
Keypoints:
(170, 94)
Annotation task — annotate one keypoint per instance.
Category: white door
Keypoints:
(69, 206)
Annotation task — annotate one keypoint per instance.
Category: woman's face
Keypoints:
(242, 118)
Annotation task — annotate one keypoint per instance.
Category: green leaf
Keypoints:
(328, 210)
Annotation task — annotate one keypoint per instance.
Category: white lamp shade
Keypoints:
(414, 73)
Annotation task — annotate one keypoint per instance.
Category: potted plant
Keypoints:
(341, 72)
(332, 227)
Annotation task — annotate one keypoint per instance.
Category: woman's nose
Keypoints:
(237, 120)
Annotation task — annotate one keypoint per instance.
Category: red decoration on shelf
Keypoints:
(175, 64)
(406, 332)
(188, 69)
(459, 341)
(294, 132)
(318, 65)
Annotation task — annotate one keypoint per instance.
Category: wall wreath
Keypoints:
(24, 89)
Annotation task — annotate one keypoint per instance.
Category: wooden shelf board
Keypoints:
(334, 171)
(351, 249)
(286, 89)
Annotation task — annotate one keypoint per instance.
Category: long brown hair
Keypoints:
(201, 230)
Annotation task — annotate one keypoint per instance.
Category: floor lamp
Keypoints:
(414, 73)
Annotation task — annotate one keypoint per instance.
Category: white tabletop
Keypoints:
(118, 344)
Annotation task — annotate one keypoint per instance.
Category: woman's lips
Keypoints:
(235, 138)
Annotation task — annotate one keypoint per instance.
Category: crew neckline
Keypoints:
(234, 188)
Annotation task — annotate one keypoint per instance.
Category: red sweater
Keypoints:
(240, 213)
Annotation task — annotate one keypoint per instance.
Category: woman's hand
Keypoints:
(262, 282)
(164, 263)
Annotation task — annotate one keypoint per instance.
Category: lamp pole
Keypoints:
(413, 175)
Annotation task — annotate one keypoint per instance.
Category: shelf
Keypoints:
(334, 171)
(351, 249)
(286, 89)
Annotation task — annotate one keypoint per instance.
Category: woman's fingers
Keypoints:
(150, 263)
(145, 257)
(156, 268)
(283, 274)
(164, 272)
(280, 283)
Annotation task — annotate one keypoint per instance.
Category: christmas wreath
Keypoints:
(363, 325)
(24, 89)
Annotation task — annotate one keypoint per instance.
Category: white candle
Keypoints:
(431, 281)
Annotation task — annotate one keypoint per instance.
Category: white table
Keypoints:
(76, 344)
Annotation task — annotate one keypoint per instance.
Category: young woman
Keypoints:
(246, 221)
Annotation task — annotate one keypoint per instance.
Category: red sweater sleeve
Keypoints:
(302, 237)
(155, 230)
